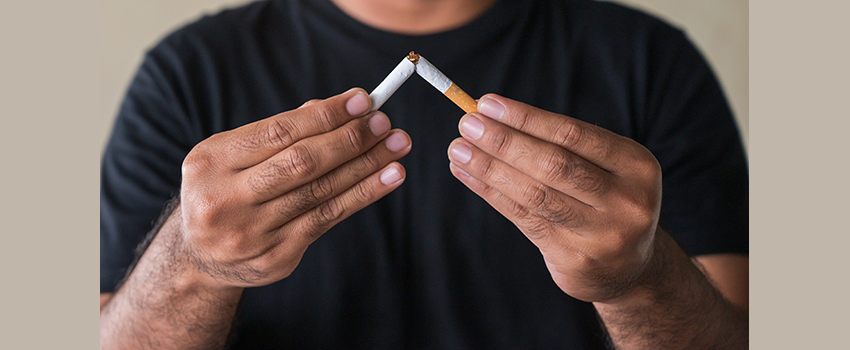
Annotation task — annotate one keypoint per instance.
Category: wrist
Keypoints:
(674, 306)
(183, 263)
(661, 273)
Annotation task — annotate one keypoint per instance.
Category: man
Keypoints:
(295, 231)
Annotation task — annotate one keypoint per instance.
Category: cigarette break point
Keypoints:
(413, 57)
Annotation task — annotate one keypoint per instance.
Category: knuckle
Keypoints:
(651, 166)
(326, 115)
(309, 103)
(319, 189)
(364, 192)
(535, 196)
(523, 117)
(354, 138)
(311, 230)
(601, 150)
(323, 216)
(556, 167)
(519, 211)
(359, 166)
(197, 162)
(568, 135)
(298, 162)
(369, 162)
(488, 191)
(278, 133)
(641, 215)
(290, 208)
(642, 159)
(500, 141)
(487, 167)
(646, 221)
(306, 197)
(550, 208)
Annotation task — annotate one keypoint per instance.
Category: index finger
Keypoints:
(251, 144)
(597, 145)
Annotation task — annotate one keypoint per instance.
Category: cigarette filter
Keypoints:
(391, 83)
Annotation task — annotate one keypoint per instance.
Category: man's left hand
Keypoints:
(589, 199)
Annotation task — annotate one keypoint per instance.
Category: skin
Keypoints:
(414, 17)
(590, 203)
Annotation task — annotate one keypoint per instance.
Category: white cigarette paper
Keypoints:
(440, 81)
(433, 75)
(391, 83)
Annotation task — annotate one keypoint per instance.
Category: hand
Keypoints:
(254, 198)
(587, 198)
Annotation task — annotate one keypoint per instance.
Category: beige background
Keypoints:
(51, 139)
(718, 27)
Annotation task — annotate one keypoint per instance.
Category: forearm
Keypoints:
(165, 305)
(675, 307)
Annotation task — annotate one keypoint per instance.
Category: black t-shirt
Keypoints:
(431, 265)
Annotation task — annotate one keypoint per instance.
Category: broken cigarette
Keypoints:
(391, 83)
(431, 74)
(440, 81)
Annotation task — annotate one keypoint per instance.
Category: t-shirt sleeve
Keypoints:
(140, 169)
(690, 129)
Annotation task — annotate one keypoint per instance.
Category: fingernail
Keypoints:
(379, 124)
(491, 108)
(461, 153)
(390, 176)
(472, 127)
(397, 142)
(357, 104)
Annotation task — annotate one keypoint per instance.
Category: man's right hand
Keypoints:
(254, 198)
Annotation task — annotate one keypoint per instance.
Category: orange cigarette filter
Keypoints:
(461, 99)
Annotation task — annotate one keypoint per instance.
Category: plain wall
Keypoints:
(720, 28)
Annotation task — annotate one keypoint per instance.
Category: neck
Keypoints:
(414, 17)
